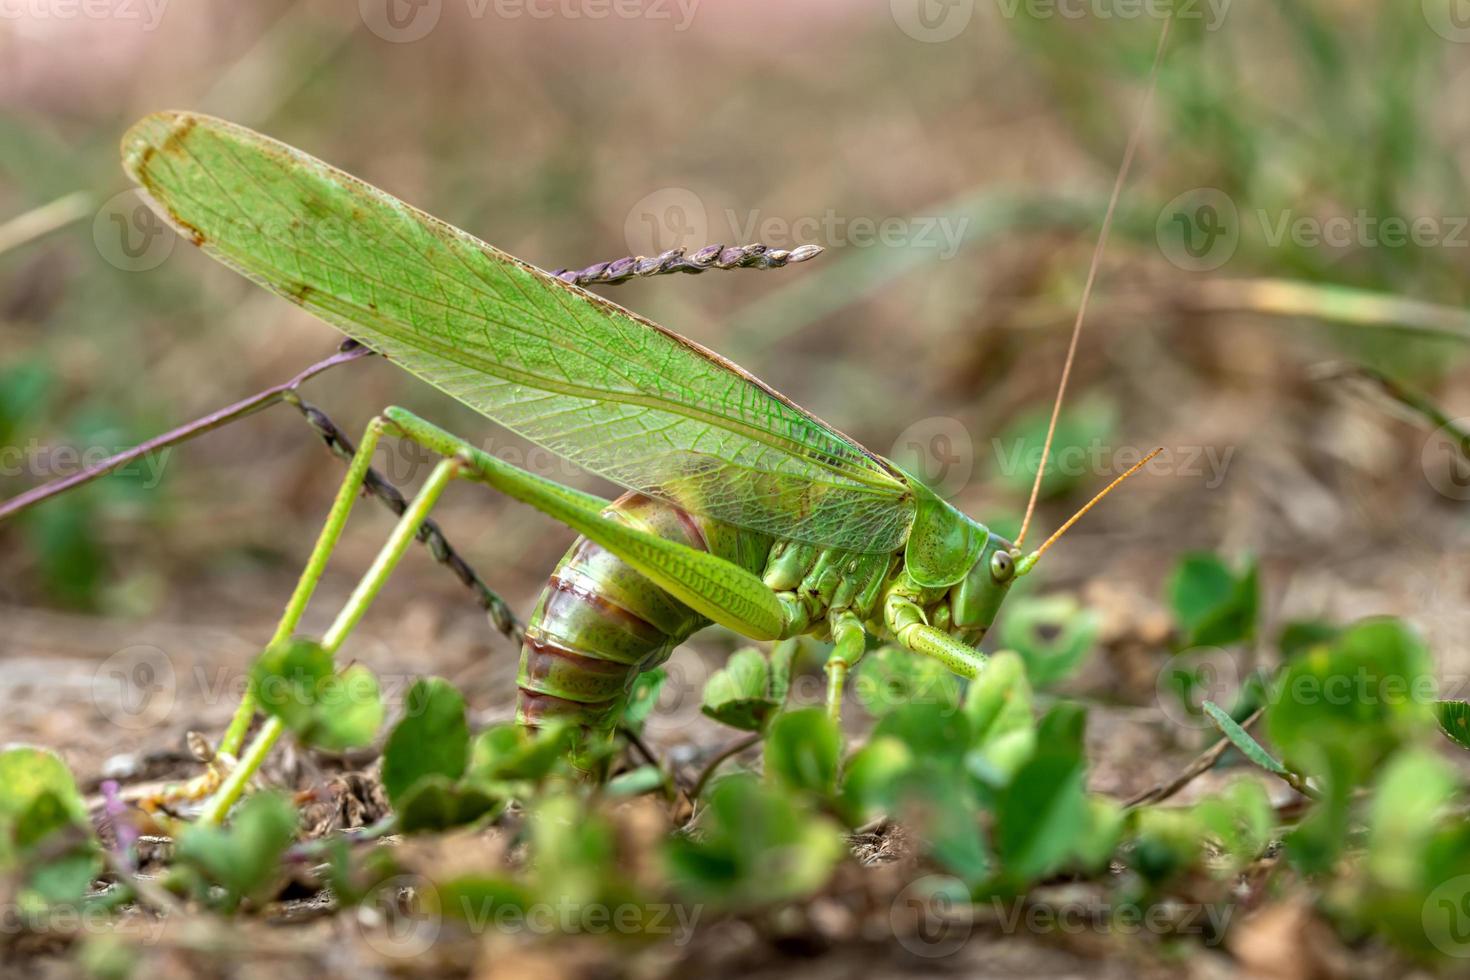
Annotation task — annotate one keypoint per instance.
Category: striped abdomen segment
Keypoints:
(599, 623)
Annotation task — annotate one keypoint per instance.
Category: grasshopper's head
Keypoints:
(947, 550)
(975, 599)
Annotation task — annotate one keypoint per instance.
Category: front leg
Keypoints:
(908, 624)
(849, 641)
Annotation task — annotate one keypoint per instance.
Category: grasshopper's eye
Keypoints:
(1002, 567)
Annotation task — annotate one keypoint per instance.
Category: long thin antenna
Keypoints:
(1097, 254)
(1025, 564)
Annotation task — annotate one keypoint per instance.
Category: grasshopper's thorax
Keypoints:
(817, 581)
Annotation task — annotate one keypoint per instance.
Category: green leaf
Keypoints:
(297, 682)
(1167, 843)
(1454, 721)
(1094, 848)
(739, 694)
(243, 857)
(1301, 636)
(1053, 635)
(802, 750)
(509, 752)
(998, 705)
(432, 739)
(891, 676)
(643, 697)
(871, 778)
(37, 797)
(1214, 605)
(1241, 819)
(575, 851)
(1242, 740)
(63, 536)
(930, 732)
(435, 803)
(1044, 812)
(1411, 798)
(636, 782)
(477, 899)
(1372, 691)
(756, 845)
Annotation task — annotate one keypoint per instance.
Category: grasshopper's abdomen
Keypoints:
(599, 623)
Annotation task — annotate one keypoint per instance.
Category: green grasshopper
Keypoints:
(742, 508)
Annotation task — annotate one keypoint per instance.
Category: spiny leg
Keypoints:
(849, 641)
(711, 585)
(906, 620)
(430, 534)
(316, 564)
(357, 604)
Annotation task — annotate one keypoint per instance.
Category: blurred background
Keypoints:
(1280, 306)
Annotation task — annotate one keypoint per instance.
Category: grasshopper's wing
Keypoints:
(571, 371)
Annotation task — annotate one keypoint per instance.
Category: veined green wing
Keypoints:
(607, 389)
